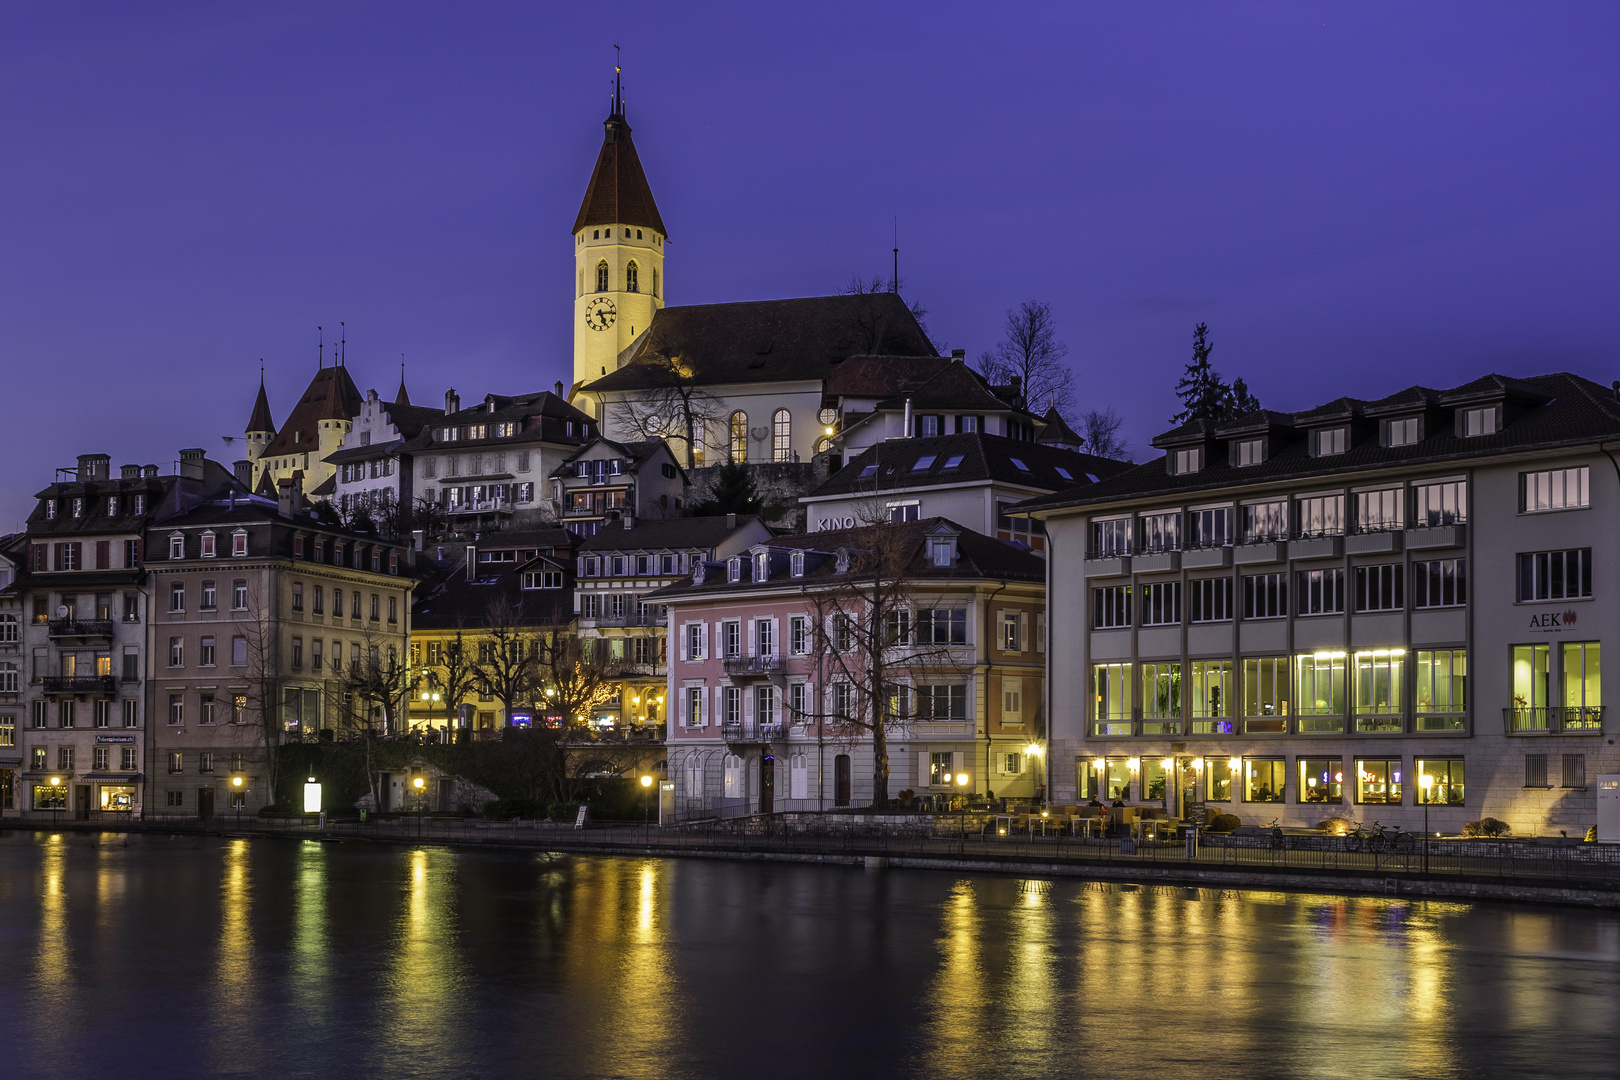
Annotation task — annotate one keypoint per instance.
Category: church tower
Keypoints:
(618, 253)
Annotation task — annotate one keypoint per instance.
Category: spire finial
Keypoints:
(320, 348)
(894, 285)
(618, 86)
(344, 355)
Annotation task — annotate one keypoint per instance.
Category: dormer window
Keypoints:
(866, 471)
(1402, 432)
(140, 504)
(1328, 443)
(1247, 452)
(177, 546)
(734, 569)
(208, 545)
(1187, 461)
(796, 564)
(762, 566)
(112, 506)
(78, 508)
(50, 509)
(952, 462)
(239, 543)
(942, 552)
(1482, 421)
(1019, 465)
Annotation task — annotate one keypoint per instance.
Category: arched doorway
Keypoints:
(767, 783)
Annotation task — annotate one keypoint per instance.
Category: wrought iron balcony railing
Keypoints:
(754, 665)
(81, 628)
(80, 684)
(1553, 720)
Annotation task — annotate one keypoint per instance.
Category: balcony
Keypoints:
(81, 628)
(745, 733)
(80, 684)
(1107, 564)
(640, 619)
(1553, 720)
(1432, 537)
(744, 666)
(632, 669)
(1373, 542)
(1316, 546)
(482, 506)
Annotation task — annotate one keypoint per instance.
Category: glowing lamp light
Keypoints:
(646, 781)
(1099, 765)
(56, 781)
(1134, 764)
(1234, 764)
(236, 781)
(312, 797)
(1034, 749)
(1167, 764)
(418, 783)
(828, 431)
(963, 779)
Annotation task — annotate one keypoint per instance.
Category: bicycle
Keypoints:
(1278, 841)
(1380, 839)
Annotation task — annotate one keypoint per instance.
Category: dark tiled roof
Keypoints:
(454, 602)
(618, 193)
(978, 556)
(954, 386)
(410, 419)
(260, 420)
(1561, 409)
(552, 413)
(331, 395)
(1057, 430)
(363, 453)
(771, 340)
(635, 452)
(527, 538)
(657, 534)
(984, 457)
(882, 376)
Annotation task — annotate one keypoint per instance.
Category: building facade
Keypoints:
(84, 636)
(755, 726)
(372, 472)
(605, 479)
(617, 568)
(1372, 609)
(12, 668)
(315, 429)
(267, 626)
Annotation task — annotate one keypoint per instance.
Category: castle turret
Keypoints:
(261, 429)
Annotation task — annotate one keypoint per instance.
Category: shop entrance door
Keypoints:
(767, 784)
(205, 803)
(81, 802)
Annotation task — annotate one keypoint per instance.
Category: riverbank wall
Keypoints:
(1447, 878)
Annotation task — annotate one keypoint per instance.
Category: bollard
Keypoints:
(1192, 843)
(323, 821)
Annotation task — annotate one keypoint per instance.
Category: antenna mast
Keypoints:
(894, 284)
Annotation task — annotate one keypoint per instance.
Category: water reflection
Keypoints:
(276, 959)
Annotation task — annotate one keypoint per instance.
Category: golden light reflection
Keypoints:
(54, 977)
(956, 1018)
(235, 987)
(422, 995)
(309, 971)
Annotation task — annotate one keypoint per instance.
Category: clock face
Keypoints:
(600, 313)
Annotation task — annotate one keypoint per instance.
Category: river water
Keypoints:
(136, 956)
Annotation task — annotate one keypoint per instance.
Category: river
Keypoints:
(149, 955)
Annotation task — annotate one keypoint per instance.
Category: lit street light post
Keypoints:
(962, 781)
(1426, 782)
(421, 802)
(236, 783)
(646, 807)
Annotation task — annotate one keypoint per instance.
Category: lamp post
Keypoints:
(421, 804)
(56, 782)
(646, 806)
(236, 797)
(1426, 783)
(1036, 751)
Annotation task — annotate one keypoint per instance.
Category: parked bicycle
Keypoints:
(1278, 841)
(1380, 839)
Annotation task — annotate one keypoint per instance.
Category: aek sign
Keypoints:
(1554, 621)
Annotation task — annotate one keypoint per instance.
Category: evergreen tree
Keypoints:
(733, 491)
(1204, 394)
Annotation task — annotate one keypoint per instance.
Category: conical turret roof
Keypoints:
(260, 420)
(618, 193)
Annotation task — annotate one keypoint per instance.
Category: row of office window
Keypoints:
(700, 706)
(210, 709)
(925, 626)
(646, 565)
(1435, 583)
(1371, 781)
(1272, 695)
(69, 555)
(357, 603)
(46, 606)
(206, 761)
(1424, 505)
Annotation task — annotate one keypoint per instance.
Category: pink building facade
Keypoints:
(751, 686)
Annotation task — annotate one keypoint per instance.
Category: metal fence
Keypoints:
(943, 838)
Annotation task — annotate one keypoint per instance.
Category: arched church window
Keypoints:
(638, 234)
(596, 234)
(627, 234)
(781, 432)
(631, 279)
(602, 277)
(655, 281)
(739, 436)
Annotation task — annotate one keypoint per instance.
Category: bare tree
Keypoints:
(866, 629)
(869, 323)
(1100, 429)
(1031, 352)
(508, 656)
(573, 676)
(263, 705)
(452, 670)
(672, 406)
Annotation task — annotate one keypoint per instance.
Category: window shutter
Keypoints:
(776, 636)
(1040, 632)
(748, 708)
(957, 762)
(703, 640)
(1023, 630)
(799, 778)
(922, 768)
(703, 706)
(686, 696)
(103, 554)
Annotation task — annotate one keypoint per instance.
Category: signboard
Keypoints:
(579, 819)
(115, 740)
(312, 798)
(1554, 622)
(1198, 812)
(1608, 808)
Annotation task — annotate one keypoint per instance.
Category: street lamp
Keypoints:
(236, 783)
(962, 781)
(646, 805)
(1426, 782)
(56, 782)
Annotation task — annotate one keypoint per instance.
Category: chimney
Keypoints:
(731, 521)
(94, 466)
(958, 356)
(129, 472)
(290, 497)
(629, 519)
(558, 389)
(905, 432)
(244, 472)
(150, 472)
(472, 562)
(418, 538)
(452, 401)
(191, 464)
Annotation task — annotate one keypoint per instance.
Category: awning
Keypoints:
(112, 778)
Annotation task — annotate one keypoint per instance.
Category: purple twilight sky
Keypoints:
(1354, 197)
